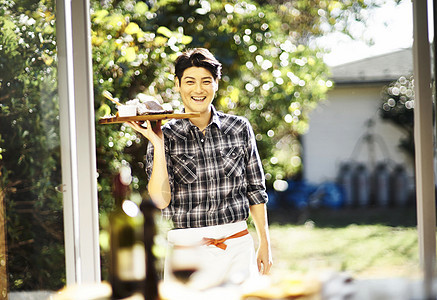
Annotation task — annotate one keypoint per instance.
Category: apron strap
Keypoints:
(220, 242)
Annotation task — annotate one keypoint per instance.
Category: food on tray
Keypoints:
(148, 106)
(143, 108)
(144, 105)
(127, 110)
(153, 105)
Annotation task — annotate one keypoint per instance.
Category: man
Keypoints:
(206, 175)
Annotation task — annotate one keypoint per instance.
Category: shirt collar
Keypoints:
(215, 119)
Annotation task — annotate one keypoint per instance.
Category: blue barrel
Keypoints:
(381, 187)
(400, 190)
(362, 185)
(346, 183)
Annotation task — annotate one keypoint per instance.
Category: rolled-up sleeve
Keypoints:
(256, 188)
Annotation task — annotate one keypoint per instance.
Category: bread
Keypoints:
(148, 106)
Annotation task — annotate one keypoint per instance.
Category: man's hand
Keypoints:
(264, 253)
(152, 132)
(264, 259)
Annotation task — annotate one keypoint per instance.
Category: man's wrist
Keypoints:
(158, 147)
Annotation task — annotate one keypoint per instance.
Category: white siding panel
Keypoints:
(336, 127)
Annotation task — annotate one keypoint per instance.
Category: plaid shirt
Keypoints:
(215, 177)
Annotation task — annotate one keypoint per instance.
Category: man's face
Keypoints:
(197, 88)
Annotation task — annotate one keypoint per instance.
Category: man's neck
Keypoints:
(202, 121)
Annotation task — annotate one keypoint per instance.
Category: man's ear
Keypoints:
(176, 84)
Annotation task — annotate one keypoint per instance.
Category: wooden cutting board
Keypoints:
(150, 117)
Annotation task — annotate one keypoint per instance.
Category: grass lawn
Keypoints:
(368, 243)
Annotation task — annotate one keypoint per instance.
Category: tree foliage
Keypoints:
(273, 75)
(29, 144)
(398, 108)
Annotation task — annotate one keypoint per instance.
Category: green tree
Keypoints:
(29, 144)
(129, 58)
(272, 73)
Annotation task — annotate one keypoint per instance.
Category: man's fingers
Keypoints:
(156, 125)
(267, 268)
(136, 125)
(264, 268)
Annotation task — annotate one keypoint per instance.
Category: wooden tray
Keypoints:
(150, 117)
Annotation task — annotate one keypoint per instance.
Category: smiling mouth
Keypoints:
(199, 99)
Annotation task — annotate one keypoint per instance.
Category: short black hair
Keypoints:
(198, 57)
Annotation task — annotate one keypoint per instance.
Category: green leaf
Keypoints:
(132, 28)
(160, 41)
(116, 21)
(186, 39)
(104, 110)
(99, 15)
(141, 8)
(129, 54)
(165, 31)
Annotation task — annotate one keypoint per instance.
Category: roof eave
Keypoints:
(363, 82)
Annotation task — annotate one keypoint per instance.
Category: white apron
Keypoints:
(214, 266)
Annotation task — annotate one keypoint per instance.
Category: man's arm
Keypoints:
(256, 192)
(159, 185)
(264, 253)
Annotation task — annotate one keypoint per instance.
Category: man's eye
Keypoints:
(207, 82)
(190, 82)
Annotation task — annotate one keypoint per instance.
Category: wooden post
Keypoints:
(3, 249)
(424, 145)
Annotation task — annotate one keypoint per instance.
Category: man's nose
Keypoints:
(198, 87)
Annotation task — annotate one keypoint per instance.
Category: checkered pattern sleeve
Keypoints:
(256, 189)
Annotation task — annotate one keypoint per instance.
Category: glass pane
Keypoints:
(30, 165)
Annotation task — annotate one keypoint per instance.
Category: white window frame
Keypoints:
(78, 149)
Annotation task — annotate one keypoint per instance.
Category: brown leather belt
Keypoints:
(220, 242)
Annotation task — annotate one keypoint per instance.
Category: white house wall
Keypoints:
(335, 128)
